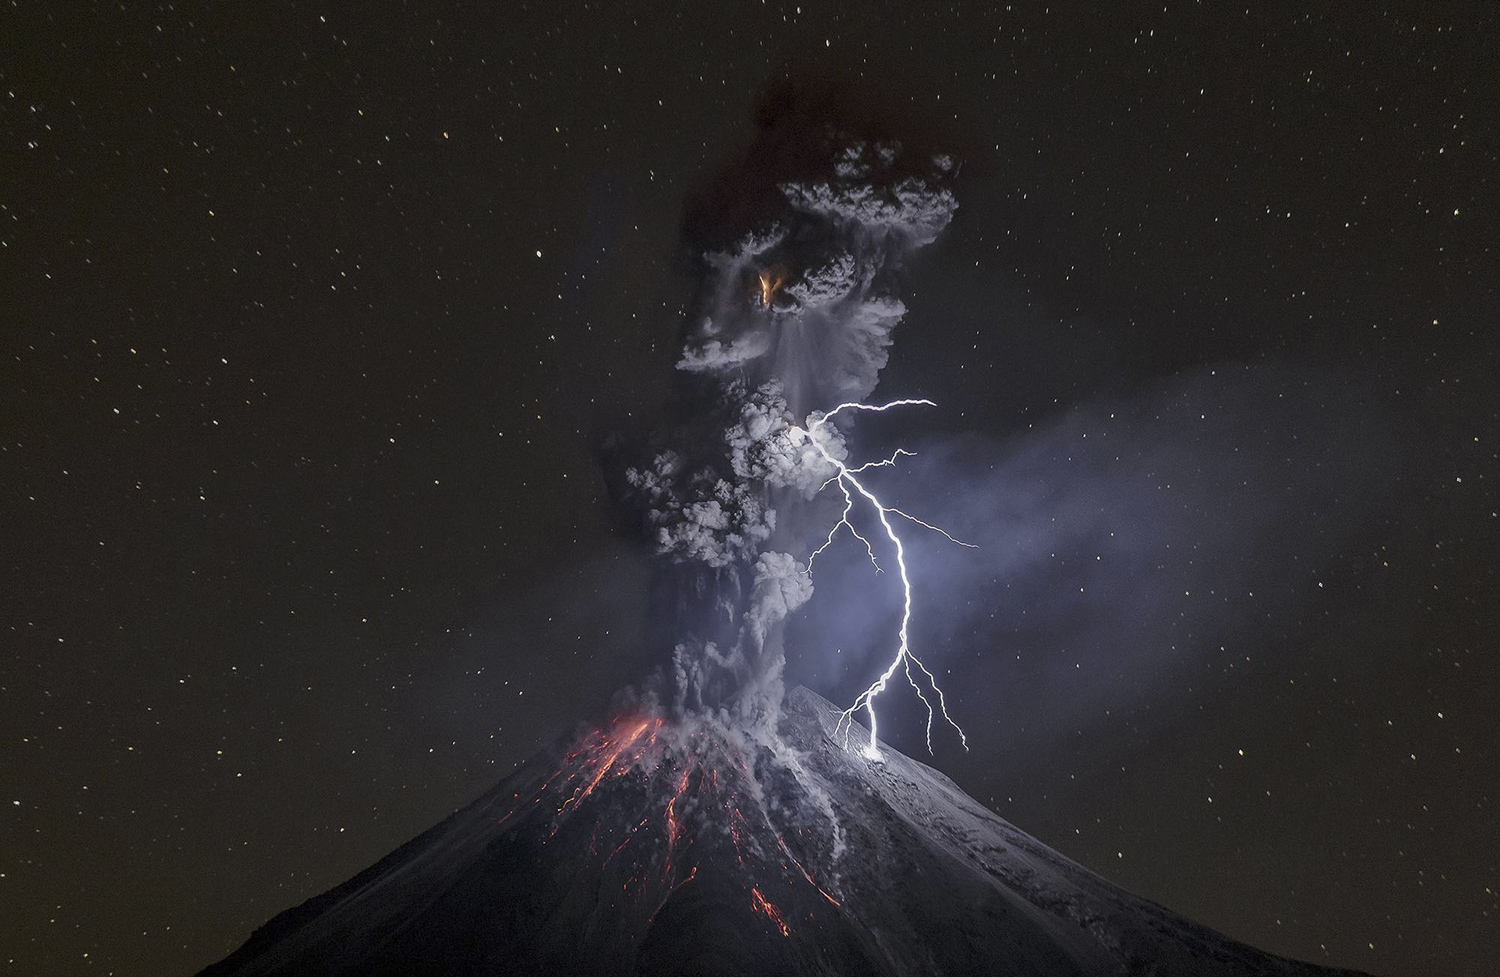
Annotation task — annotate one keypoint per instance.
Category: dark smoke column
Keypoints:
(806, 238)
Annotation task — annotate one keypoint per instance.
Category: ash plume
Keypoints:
(798, 251)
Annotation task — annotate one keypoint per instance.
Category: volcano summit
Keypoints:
(686, 847)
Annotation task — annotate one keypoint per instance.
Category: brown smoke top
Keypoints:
(803, 121)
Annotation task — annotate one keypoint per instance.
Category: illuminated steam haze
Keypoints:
(799, 249)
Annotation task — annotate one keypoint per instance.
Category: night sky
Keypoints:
(315, 319)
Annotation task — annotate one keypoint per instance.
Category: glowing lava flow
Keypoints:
(699, 792)
(609, 752)
(845, 478)
(765, 908)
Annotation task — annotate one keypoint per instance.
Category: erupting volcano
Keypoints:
(718, 824)
(656, 846)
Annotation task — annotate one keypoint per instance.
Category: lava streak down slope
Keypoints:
(656, 847)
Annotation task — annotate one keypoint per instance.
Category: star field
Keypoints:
(317, 320)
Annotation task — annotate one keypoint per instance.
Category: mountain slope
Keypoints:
(666, 848)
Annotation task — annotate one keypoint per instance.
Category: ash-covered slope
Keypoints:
(687, 848)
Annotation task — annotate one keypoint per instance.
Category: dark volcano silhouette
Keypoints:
(678, 848)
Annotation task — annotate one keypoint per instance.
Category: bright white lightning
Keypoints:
(845, 478)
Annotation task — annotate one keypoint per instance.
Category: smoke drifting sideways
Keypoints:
(798, 251)
(1133, 546)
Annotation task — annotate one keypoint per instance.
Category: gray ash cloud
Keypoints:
(798, 248)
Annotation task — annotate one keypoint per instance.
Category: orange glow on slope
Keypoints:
(699, 780)
(609, 754)
(765, 908)
(674, 826)
(628, 838)
(805, 873)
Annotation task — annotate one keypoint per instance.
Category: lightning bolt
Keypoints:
(849, 484)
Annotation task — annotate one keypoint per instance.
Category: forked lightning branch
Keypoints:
(856, 492)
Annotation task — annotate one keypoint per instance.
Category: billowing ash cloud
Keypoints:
(799, 250)
(822, 334)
